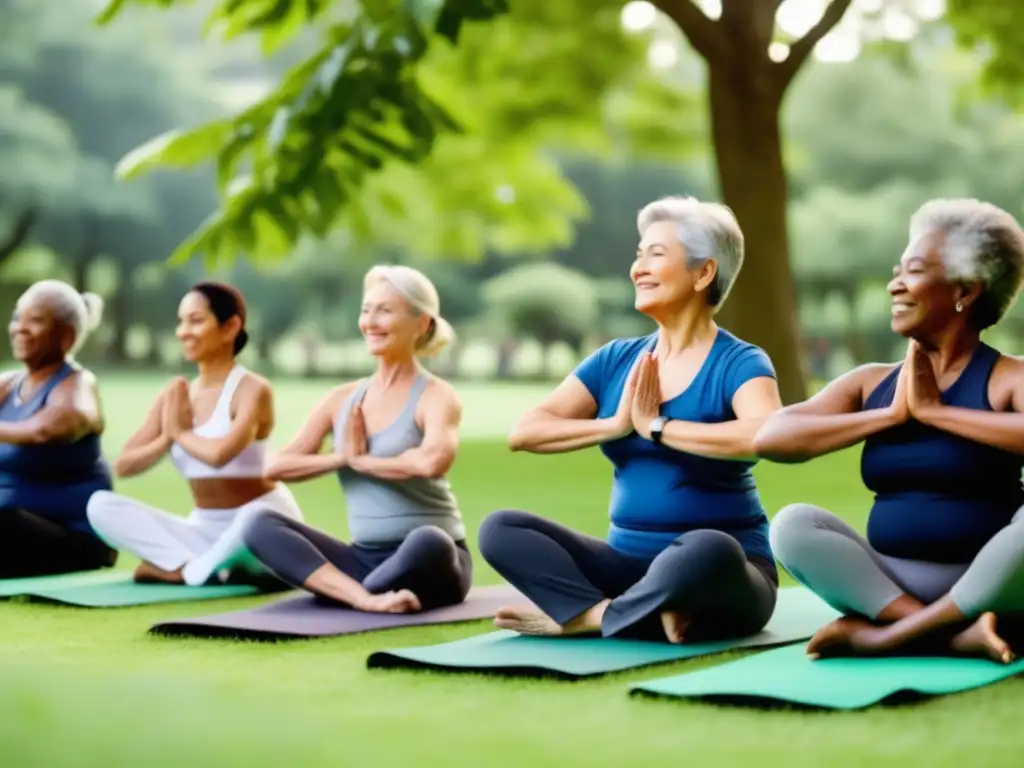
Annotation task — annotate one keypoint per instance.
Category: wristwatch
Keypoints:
(657, 427)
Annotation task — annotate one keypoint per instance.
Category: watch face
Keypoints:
(658, 424)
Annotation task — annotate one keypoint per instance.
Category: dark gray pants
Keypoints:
(704, 574)
(438, 570)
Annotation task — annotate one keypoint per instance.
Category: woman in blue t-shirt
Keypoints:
(687, 554)
(943, 452)
(50, 426)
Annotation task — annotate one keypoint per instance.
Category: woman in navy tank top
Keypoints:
(943, 434)
(50, 426)
(675, 412)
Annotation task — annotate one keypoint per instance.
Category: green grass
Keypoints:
(82, 687)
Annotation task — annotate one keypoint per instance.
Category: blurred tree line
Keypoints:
(531, 269)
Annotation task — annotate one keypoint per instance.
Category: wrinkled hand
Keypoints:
(899, 407)
(402, 601)
(923, 391)
(647, 401)
(355, 437)
(177, 414)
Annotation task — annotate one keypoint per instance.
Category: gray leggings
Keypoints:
(827, 556)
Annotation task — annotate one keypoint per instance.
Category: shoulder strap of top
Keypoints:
(227, 392)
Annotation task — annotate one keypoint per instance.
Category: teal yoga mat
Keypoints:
(15, 587)
(798, 615)
(787, 676)
(114, 590)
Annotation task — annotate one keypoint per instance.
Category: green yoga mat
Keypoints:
(786, 675)
(14, 587)
(115, 590)
(798, 615)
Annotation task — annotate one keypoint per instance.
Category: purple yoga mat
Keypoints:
(306, 616)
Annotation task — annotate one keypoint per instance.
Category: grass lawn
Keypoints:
(81, 687)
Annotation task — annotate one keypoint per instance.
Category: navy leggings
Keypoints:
(428, 562)
(704, 574)
(31, 545)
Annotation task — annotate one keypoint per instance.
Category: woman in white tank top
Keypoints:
(215, 432)
(394, 437)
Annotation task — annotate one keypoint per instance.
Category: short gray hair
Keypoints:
(980, 243)
(706, 231)
(81, 311)
(421, 296)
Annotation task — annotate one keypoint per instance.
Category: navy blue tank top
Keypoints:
(939, 497)
(53, 480)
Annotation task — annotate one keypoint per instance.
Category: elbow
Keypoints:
(273, 470)
(520, 439)
(123, 468)
(770, 448)
(435, 466)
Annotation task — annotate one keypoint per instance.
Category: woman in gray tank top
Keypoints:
(394, 437)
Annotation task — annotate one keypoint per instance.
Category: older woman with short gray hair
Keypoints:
(943, 435)
(687, 554)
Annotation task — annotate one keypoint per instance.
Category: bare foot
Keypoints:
(675, 625)
(981, 638)
(527, 620)
(149, 573)
(847, 636)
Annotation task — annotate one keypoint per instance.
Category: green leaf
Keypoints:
(107, 15)
(175, 148)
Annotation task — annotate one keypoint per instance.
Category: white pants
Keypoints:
(208, 542)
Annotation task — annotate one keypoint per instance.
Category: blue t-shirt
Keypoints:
(659, 493)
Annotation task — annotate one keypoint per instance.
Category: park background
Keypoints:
(574, 115)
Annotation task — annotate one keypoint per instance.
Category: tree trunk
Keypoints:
(19, 233)
(762, 306)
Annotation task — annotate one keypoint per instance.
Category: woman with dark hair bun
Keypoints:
(216, 432)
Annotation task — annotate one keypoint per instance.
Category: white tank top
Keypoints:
(248, 463)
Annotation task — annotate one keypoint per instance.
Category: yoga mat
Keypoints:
(308, 616)
(786, 675)
(123, 591)
(25, 586)
(798, 614)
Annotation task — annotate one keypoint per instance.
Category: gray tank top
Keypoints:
(382, 512)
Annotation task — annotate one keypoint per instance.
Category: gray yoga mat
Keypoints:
(308, 616)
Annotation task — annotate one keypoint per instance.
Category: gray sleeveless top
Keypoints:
(383, 512)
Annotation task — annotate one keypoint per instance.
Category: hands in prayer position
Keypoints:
(177, 412)
(641, 398)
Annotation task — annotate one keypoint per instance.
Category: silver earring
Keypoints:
(959, 306)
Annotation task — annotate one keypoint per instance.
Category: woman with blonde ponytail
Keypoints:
(394, 438)
(50, 426)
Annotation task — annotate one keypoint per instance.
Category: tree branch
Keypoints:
(19, 233)
(801, 49)
(704, 34)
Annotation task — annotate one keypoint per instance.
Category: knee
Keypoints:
(258, 526)
(494, 529)
(789, 527)
(431, 543)
(102, 509)
(707, 556)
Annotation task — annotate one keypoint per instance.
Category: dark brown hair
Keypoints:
(225, 302)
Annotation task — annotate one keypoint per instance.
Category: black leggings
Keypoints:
(704, 574)
(31, 545)
(428, 562)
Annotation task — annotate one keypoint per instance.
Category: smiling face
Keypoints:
(201, 336)
(923, 298)
(660, 273)
(37, 337)
(389, 326)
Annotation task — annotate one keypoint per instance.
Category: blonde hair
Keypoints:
(82, 311)
(421, 296)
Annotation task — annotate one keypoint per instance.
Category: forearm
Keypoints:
(294, 468)
(138, 459)
(726, 440)
(794, 437)
(44, 428)
(413, 463)
(1004, 431)
(209, 450)
(551, 434)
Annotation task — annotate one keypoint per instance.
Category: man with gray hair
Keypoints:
(943, 435)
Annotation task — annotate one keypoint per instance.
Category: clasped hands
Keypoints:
(177, 415)
(641, 398)
(917, 390)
